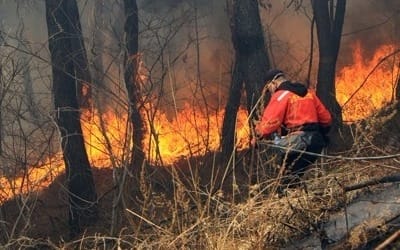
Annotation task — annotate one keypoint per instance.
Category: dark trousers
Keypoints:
(296, 163)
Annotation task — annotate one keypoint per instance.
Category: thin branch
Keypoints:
(388, 241)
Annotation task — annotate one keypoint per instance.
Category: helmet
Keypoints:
(273, 74)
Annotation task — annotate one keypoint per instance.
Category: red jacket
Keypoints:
(292, 108)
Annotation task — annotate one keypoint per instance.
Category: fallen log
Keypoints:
(375, 181)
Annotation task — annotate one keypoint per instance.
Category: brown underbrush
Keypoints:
(199, 203)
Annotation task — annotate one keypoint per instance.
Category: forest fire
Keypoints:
(191, 133)
(367, 85)
(362, 88)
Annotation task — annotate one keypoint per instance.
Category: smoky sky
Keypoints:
(157, 6)
(372, 23)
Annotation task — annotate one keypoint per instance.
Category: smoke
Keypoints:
(203, 41)
(287, 31)
(372, 24)
(201, 36)
(157, 6)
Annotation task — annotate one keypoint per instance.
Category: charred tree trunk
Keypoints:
(329, 21)
(397, 90)
(80, 183)
(99, 42)
(133, 84)
(231, 109)
(251, 64)
(78, 55)
(1, 108)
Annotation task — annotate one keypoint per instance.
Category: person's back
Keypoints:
(294, 111)
(303, 110)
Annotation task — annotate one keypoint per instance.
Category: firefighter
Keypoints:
(298, 119)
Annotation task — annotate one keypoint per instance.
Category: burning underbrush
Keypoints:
(188, 198)
(186, 206)
(197, 202)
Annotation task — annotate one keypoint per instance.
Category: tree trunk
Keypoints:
(231, 109)
(80, 183)
(397, 90)
(1, 108)
(78, 55)
(132, 83)
(99, 42)
(251, 64)
(329, 23)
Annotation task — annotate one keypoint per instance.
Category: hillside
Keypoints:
(185, 205)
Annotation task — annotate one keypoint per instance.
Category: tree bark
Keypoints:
(1, 108)
(251, 64)
(78, 55)
(80, 183)
(397, 90)
(329, 22)
(132, 83)
(99, 42)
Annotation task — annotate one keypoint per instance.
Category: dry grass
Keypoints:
(188, 208)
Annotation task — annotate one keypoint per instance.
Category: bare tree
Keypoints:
(62, 32)
(1, 114)
(397, 89)
(329, 19)
(132, 83)
(251, 64)
(79, 56)
(98, 42)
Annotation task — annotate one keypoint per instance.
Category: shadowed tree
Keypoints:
(1, 104)
(62, 46)
(132, 83)
(329, 19)
(99, 40)
(128, 193)
(79, 56)
(250, 66)
(397, 90)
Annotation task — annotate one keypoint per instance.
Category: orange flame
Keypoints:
(367, 85)
(35, 179)
(108, 143)
(192, 132)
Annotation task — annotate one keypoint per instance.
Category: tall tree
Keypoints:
(250, 66)
(98, 41)
(132, 82)
(1, 104)
(79, 56)
(398, 89)
(80, 183)
(329, 19)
